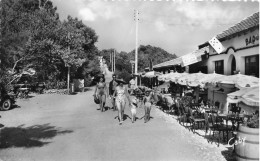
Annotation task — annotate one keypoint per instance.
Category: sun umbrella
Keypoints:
(163, 76)
(236, 96)
(208, 78)
(251, 97)
(174, 76)
(151, 74)
(239, 80)
(191, 79)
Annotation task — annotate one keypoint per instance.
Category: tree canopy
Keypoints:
(32, 35)
(145, 55)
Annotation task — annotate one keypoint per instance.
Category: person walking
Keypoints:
(132, 85)
(112, 88)
(101, 93)
(120, 95)
(147, 102)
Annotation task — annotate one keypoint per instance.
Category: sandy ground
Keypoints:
(53, 127)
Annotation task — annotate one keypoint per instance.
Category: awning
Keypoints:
(194, 57)
(185, 60)
(151, 74)
(168, 63)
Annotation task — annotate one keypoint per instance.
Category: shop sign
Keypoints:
(251, 40)
(189, 59)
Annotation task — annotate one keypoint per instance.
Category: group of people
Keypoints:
(119, 94)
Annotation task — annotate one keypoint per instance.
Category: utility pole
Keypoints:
(114, 60)
(68, 77)
(136, 44)
(111, 61)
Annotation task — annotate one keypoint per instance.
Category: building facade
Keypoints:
(241, 54)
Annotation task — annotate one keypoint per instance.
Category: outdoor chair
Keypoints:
(185, 116)
(198, 119)
(220, 127)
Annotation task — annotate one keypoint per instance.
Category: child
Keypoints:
(147, 101)
(133, 109)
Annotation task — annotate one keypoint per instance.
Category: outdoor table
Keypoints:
(235, 119)
(211, 110)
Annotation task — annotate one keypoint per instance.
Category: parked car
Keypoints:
(6, 100)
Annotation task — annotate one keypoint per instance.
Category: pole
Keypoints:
(68, 78)
(111, 61)
(136, 45)
(114, 60)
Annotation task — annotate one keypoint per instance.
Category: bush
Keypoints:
(87, 81)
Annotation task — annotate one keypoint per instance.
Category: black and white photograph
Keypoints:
(129, 80)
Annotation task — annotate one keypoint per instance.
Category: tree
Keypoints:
(156, 54)
(33, 36)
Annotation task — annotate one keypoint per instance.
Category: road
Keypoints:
(53, 127)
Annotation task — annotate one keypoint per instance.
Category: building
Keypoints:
(241, 53)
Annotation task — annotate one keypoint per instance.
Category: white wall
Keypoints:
(236, 42)
(221, 97)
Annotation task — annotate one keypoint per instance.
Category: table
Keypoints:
(211, 110)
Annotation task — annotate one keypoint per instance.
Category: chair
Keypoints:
(197, 119)
(218, 126)
(186, 113)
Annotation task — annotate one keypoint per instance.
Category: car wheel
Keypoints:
(6, 105)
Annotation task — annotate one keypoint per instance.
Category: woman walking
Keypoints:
(121, 93)
(101, 93)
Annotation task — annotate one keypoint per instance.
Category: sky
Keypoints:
(175, 26)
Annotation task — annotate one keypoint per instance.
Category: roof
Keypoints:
(248, 23)
(178, 60)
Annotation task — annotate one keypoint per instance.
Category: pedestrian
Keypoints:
(133, 109)
(132, 85)
(112, 88)
(147, 102)
(101, 92)
(120, 95)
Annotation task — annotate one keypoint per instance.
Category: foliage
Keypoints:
(156, 54)
(33, 36)
(252, 122)
(145, 53)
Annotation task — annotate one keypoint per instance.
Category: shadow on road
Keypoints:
(32, 136)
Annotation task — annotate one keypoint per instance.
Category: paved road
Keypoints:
(69, 128)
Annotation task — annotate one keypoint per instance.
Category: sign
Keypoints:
(251, 40)
(189, 59)
(216, 44)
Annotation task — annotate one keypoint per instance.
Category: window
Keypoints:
(252, 65)
(219, 67)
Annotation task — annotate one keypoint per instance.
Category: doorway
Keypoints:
(233, 66)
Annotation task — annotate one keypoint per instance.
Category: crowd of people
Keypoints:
(120, 95)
